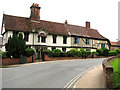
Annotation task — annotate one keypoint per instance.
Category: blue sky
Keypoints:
(103, 14)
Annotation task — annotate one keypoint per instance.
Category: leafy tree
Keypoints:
(15, 46)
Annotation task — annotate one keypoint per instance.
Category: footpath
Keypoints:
(92, 79)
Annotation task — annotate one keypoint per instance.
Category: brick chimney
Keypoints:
(35, 11)
(87, 24)
(66, 22)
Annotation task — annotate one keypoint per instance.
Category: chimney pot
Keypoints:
(87, 24)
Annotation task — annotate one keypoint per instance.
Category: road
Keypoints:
(46, 75)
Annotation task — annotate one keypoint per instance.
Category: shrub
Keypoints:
(113, 53)
(100, 52)
(94, 53)
(15, 46)
(73, 50)
(29, 52)
(56, 51)
(46, 50)
(117, 49)
(83, 52)
(88, 53)
(4, 55)
(103, 52)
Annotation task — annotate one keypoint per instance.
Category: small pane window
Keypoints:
(26, 36)
(15, 33)
(43, 39)
(76, 40)
(64, 39)
(54, 38)
(38, 38)
(87, 41)
(102, 45)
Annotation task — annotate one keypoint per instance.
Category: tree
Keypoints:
(15, 46)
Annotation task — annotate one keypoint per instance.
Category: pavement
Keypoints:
(92, 79)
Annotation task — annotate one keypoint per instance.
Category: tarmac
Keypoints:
(92, 79)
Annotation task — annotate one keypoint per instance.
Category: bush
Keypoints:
(15, 46)
(56, 51)
(29, 52)
(113, 53)
(103, 52)
(88, 53)
(4, 55)
(117, 49)
(46, 50)
(94, 53)
(83, 53)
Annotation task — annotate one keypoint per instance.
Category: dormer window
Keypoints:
(43, 37)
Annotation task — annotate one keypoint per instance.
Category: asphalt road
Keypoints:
(46, 75)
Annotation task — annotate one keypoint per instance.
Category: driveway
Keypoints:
(46, 75)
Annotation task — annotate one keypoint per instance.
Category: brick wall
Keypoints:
(12, 61)
(108, 72)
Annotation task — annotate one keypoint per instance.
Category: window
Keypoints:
(64, 39)
(43, 39)
(15, 33)
(53, 48)
(64, 49)
(38, 38)
(76, 40)
(87, 41)
(26, 36)
(54, 38)
(102, 45)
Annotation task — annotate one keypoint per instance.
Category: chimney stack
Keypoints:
(87, 24)
(35, 11)
(66, 22)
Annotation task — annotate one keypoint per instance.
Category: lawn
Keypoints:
(116, 68)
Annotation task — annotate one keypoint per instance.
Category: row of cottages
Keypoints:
(41, 34)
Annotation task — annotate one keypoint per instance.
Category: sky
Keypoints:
(102, 14)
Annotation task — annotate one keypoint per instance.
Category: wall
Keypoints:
(12, 61)
(108, 72)
(47, 58)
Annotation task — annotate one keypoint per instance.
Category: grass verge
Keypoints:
(116, 68)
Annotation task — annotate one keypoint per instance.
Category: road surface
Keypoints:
(46, 75)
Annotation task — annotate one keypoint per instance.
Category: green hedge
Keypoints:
(71, 53)
(103, 52)
(29, 52)
(113, 53)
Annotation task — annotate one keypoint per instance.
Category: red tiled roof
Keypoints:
(115, 43)
(27, 25)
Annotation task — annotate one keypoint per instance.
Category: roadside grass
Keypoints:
(116, 68)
